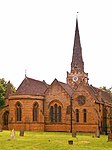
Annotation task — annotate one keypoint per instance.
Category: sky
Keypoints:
(38, 35)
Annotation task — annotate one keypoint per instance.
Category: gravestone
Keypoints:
(0, 130)
(98, 133)
(21, 132)
(12, 134)
(70, 142)
(110, 137)
(74, 134)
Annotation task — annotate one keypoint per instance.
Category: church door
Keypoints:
(5, 120)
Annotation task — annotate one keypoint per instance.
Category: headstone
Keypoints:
(70, 142)
(74, 134)
(12, 134)
(98, 133)
(110, 137)
(21, 132)
(0, 130)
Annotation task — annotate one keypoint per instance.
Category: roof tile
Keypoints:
(31, 87)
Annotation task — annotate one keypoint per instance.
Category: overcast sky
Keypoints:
(38, 35)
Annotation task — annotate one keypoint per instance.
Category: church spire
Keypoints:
(77, 74)
(77, 60)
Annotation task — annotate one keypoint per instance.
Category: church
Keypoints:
(71, 106)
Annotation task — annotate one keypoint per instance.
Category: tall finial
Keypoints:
(77, 15)
(77, 28)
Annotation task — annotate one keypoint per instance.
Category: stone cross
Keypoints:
(12, 134)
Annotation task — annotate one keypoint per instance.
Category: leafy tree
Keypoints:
(107, 90)
(4, 86)
(2, 102)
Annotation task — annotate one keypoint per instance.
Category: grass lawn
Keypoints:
(53, 141)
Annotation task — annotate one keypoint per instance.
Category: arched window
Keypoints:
(59, 113)
(18, 111)
(55, 113)
(35, 111)
(5, 118)
(77, 115)
(51, 113)
(84, 115)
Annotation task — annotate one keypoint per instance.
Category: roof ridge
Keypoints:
(31, 86)
(38, 81)
(34, 79)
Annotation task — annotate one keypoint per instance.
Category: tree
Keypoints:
(107, 90)
(2, 102)
(4, 86)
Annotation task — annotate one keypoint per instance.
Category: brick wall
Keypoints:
(27, 113)
(57, 95)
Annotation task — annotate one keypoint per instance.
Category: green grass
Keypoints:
(53, 141)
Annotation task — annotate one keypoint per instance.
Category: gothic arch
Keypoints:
(55, 113)
(5, 119)
(35, 111)
(18, 111)
(55, 102)
(35, 103)
(18, 102)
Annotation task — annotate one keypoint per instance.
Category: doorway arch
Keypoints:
(5, 120)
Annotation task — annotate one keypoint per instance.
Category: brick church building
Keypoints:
(71, 106)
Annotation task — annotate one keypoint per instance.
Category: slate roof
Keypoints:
(104, 95)
(31, 87)
(106, 98)
(94, 92)
(67, 88)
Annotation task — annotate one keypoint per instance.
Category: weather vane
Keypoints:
(25, 73)
(77, 14)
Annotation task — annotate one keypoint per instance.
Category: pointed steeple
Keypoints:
(8, 90)
(77, 60)
(77, 74)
